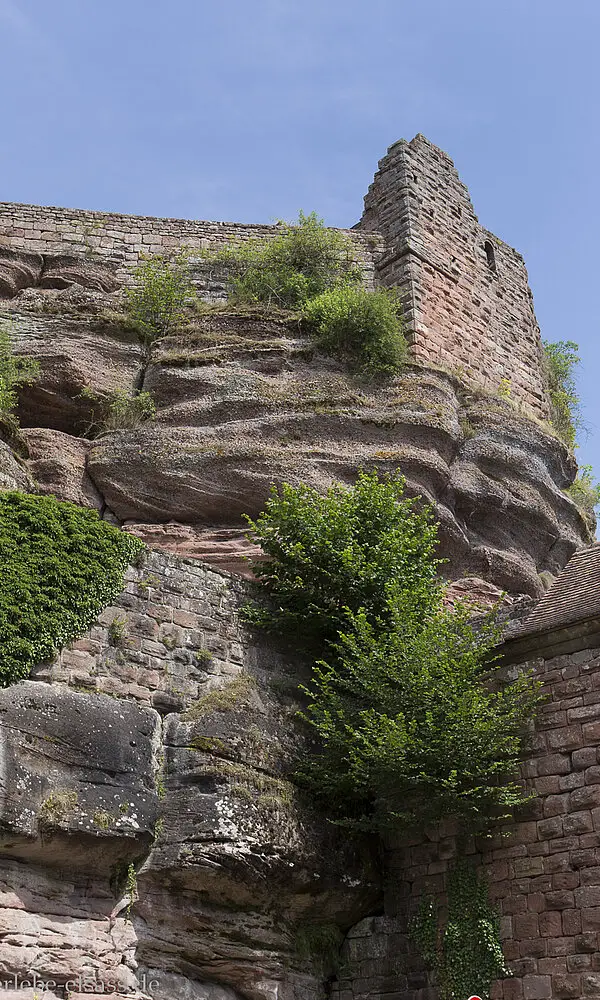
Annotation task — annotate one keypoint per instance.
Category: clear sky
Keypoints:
(249, 110)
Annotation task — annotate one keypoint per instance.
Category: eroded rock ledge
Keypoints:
(243, 400)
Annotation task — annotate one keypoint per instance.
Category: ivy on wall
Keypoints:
(61, 565)
(463, 950)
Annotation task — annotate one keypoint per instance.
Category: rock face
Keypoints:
(270, 409)
(230, 863)
(243, 401)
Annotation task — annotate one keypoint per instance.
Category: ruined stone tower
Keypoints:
(466, 297)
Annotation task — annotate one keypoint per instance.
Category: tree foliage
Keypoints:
(162, 286)
(585, 491)
(60, 566)
(560, 363)
(301, 261)
(409, 728)
(15, 371)
(363, 326)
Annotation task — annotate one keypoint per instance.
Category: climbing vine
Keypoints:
(464, 950)
(61, 565)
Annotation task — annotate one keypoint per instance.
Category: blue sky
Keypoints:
(249, 110)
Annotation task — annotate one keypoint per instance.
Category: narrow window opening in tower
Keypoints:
(491, 256)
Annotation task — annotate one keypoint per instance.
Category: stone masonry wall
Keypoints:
(545, 878)
(174, 637)
(462, 310)
(121, 240)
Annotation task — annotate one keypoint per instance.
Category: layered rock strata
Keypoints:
(243, 400)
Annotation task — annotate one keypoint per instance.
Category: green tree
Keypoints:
(363, 326)
(409, 727)
(15, 371)
(560, 363)
(301, 261)
(339, 551)
(162, 286)
(585, 491)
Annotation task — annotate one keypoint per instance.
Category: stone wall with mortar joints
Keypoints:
(180, 637)
(544, 878)
(460, 312)
(121, 240)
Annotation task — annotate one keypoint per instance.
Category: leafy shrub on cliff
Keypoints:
(61, 565)
(363, 326)
(409, 730)
(15, 370)
(162, 286)
(301, 261)
(560, 361)
(118, 410)
(585, 491)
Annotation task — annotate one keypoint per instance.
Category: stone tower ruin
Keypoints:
(466, 297)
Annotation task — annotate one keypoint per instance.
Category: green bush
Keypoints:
(162, 286)
(61, 565)
(409, 730)
(337, 551)
(560, 361)
(15, 370)
(300, 262)
(118, 410)
(585, 492)
(365, 327)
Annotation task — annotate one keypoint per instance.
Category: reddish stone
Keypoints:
(570, 737)
(555, 763)
(566, 986)
(578, 963)
(537, 987)
(550, 923)
(571, 922)
(590, 985)
(548, 829)
(586, 944)
(559, 899)
(578, 822)
(590, 918)
(556, 805)
(565, 880)
(525, 925)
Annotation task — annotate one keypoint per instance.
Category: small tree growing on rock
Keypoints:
(15, 371)
(162, 286)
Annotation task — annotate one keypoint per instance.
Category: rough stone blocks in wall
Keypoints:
(466, 295)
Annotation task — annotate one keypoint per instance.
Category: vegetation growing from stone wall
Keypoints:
(312, 269)
(560, 361)
(15, 371)
(409, 729)
(462, 948)
(162, 287)
(301, 261)
(60, 566)
(365, 327)
(585, 491)
(118, 410)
